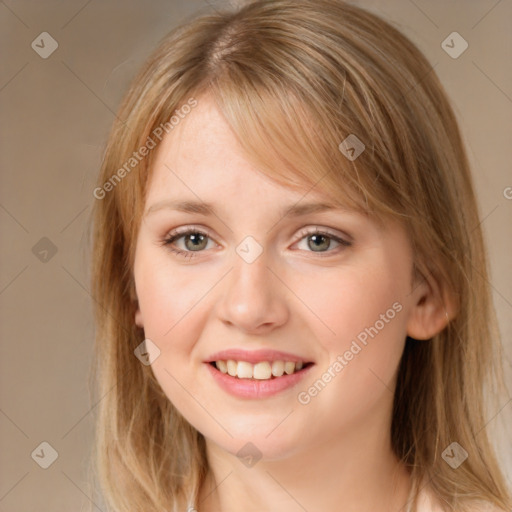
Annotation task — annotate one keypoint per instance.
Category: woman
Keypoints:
(292, 304)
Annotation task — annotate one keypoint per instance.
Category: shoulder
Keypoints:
(427, 502)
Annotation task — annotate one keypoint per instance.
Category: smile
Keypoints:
(257, 381)
(263, 370)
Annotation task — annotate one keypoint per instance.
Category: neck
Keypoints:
(355, 471)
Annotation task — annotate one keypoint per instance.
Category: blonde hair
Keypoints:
(294, 78)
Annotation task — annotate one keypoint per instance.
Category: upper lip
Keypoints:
(255, 356)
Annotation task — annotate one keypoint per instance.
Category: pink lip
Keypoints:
(255, 356)
(252, 388)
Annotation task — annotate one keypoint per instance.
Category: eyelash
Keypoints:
(172, 237)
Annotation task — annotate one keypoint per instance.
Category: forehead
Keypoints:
(203, 134)
(201, 157)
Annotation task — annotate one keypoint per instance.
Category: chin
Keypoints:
(258, 442)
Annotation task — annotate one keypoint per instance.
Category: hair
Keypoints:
(293, 79)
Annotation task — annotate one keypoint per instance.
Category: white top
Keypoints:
(426, 503)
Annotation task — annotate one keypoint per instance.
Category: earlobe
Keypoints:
(133, 297)
(138, 317)
(431, 312)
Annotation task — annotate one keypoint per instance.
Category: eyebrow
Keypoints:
(208, 209)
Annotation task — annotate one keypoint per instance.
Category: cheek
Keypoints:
(173, 315)
(350, 303)
(168, 297)
(363, 328)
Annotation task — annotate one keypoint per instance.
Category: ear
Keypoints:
(138, 317)
(432, 309)
(138, 314)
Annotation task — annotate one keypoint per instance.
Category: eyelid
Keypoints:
(183, 230)
(343, 240)
(340, 235)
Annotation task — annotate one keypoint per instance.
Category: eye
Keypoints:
(320, 241)
(196, 240)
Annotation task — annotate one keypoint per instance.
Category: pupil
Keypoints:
(195, 238)
(316, 238)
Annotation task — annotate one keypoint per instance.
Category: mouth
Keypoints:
(259, 379)
(259, 371)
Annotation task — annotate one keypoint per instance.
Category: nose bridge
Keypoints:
(253, 297)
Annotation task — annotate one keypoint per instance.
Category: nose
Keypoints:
(254, 297)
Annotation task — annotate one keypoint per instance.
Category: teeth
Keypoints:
(222, 366)
(263, 370)
(277, 368)
(244, 370)
(232, 367)
(289, 367)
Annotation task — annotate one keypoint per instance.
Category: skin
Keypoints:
(334, 452)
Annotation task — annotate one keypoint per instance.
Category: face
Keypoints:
(329, 289)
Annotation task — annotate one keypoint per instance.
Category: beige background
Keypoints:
(56, 113)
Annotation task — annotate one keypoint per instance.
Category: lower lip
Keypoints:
(254, 388)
